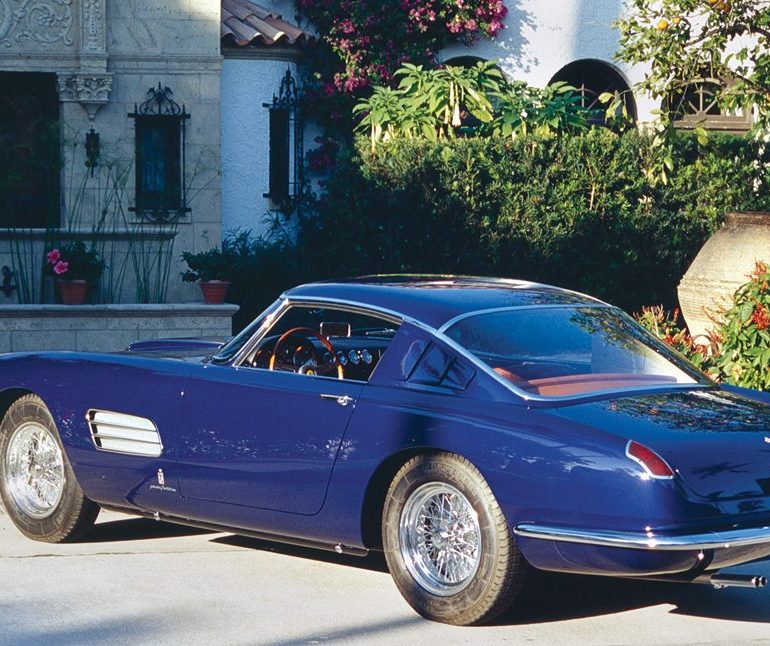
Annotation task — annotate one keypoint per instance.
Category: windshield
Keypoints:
(234, 345)
(565, 351)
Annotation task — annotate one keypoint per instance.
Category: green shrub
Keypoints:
(583, 212)
(260, 270)
(743, 356)
(738, 351)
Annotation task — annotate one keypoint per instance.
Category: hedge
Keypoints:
(583, 212)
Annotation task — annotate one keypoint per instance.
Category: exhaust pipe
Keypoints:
(719, 580)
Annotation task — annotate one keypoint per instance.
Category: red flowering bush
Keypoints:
(738, 351)
(743, 358)
(363, 42)
(666, 327)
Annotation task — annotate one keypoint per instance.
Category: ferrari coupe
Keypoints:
(473, 429)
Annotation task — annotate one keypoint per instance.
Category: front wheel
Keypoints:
(37, 484)
(447, 543)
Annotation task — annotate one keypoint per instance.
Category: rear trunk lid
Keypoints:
(718, 442)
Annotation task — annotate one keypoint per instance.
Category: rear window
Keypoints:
(565, 351)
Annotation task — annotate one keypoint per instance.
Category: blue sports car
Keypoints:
(473, 429)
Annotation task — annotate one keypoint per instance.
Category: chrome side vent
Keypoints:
(121, 433)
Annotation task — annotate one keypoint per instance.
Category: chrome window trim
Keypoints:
(269, 314)
(354, 306)
(510, 308)
(647, 540)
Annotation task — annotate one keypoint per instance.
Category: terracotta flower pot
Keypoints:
(73, 292)
(214, 291)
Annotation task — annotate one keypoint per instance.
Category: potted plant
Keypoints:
(75, 267)
(212, 270)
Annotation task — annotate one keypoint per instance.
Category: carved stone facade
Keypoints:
(43, 22)
(92, 92)
(102, 56)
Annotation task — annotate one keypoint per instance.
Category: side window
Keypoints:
(325, 342)
(437, 367)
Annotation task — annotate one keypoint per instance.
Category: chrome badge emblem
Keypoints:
(161, 486)
(767, 440)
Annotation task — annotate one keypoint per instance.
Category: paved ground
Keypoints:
(141, 582)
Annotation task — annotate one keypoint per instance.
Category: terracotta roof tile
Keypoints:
(245, 23)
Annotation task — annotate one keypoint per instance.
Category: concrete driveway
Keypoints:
(135, 581)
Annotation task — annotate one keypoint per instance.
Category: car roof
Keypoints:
(434, 299)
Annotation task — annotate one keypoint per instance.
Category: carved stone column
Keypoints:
(91, 85)
(93, 35)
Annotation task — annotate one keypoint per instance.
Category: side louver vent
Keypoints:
(121, 433)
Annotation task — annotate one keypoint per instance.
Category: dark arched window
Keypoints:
(592, 78)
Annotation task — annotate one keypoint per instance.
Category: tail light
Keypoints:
(653, 465)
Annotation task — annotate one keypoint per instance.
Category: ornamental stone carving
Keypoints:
(39, 21)
(93, 26)
(91, 91)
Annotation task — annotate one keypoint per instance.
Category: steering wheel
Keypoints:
(314, 365)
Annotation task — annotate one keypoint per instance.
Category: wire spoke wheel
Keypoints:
(440, 538)
(37, 485)
(35, 470)
(447, 542)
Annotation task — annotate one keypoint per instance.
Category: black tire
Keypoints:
(432, 483)
(62, 512)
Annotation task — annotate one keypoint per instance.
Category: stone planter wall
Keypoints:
(106, 328)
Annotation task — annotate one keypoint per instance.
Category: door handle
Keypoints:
(342, 400)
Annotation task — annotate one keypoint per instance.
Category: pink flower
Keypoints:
(61, 267)
(53, 256)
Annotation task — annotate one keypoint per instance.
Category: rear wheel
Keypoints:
(37, 484)
(447, 543)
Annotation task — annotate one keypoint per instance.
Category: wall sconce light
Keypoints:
(92, 149)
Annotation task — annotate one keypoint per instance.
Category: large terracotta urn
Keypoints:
(721, 266)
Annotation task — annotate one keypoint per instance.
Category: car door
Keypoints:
(261, 438)
(265, 438)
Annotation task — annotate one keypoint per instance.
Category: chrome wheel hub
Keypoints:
(440, 538)
(34, 468)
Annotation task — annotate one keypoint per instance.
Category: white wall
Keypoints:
(246, 85)
(542, 36)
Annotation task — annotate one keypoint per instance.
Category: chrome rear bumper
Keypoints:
(648, 540)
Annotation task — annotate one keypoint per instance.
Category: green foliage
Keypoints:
(577, 211)
(362, 43)
(743, 356)
(685, 40)
(258, 269)
(213, 264)
(434, 103)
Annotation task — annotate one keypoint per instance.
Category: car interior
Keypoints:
(325, 342)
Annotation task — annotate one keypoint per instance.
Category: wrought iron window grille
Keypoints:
(286, 146)
(697, 105)
(160, 138)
